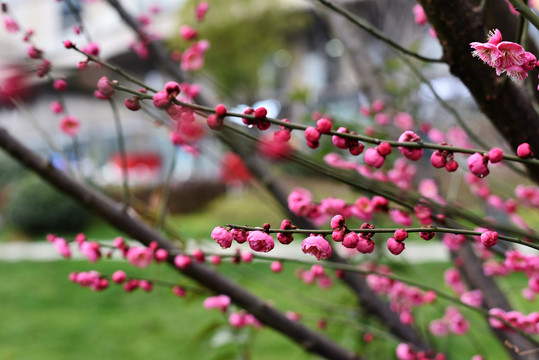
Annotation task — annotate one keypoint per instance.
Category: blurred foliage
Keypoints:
(10, 170)
(238, 51)
(35, 207)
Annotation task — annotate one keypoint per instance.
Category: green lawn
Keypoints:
(44, 316)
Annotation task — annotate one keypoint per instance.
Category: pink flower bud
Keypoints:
(104, 87)
(59, 85)
(438, 159)
(495, 155)
(525, 151)
(260, 113)
(384, 149)
(182, 262)
(489, 238)
(239, 235)
(337, 222)
(373, 158)
(364, 245)
(400, 234)
(215, 122)
(355, 147)
(316, 245)
(56, 107)
(119, 277)
(323, 125)
(132, 103)
(220, 110)
(477, 164)
(340, 142)
(312, 135)
(413, 154)
(394, 246)
(178, 291)
(426, 235)
(338, 235)
(161, 99)
(201, 10)
(276, 266)
(160, 255)
(350, 240)
(33, 52)
(260, 241)
(68, 44)
(222, 237)
(188, 33)
(451, 165)
(92, 49)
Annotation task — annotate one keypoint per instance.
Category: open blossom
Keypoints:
(505, 56)
(317, 246)
(70, 125)
(139, 256)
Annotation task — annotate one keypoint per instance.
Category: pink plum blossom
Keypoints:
(316, 245)
(222, 237)
(260, 241)
(139, 256)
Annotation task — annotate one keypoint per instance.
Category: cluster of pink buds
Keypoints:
(130, 284)
(301, 203)
(406, 352)
(140, 256)
(90, 279)
(444, 158)
(505, 56)
(258, 240)
(61, 245)
(376, 157)
(259, 118)
(395, 244)
(527, 323)
(477, 163)
(354, 146)
(217, 121)
(452, 322)
(243, 319)
(362, 242)
(315, 273)
(163, 99)
(402, 297)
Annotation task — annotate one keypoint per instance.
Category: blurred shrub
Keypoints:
(35, 207)
(10, 170)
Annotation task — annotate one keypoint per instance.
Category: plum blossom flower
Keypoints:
(222, 237)
(260, 241)
(505, 56)
(70, 125)
(139, 256)
(317, 246)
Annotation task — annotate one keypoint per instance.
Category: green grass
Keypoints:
(44, 316)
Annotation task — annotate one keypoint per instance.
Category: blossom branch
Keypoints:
(112, 213)
(374, 32)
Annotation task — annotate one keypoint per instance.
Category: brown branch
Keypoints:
(503, 101)
(113, 213)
